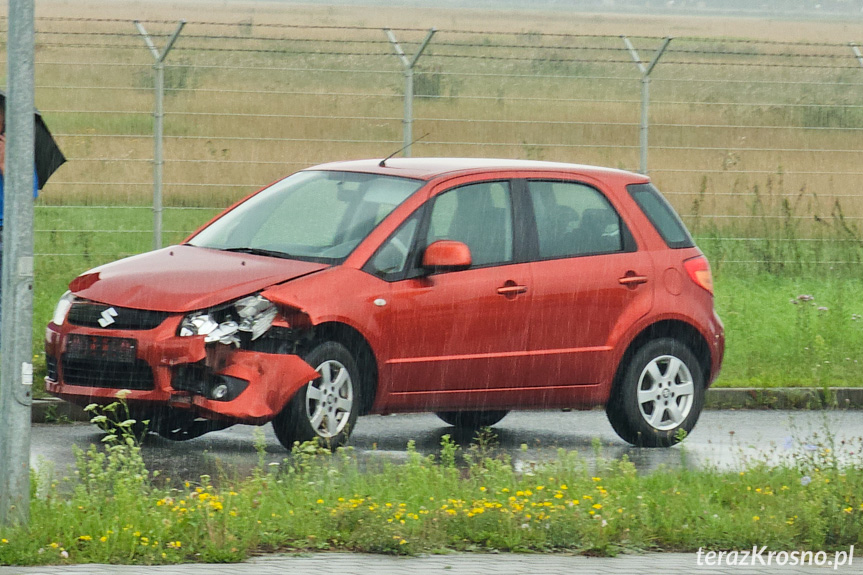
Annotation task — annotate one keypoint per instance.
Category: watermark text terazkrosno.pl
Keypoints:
(761, 556)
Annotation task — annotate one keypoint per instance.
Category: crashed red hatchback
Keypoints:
(463, 287)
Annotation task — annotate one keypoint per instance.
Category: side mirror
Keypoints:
(446, 256)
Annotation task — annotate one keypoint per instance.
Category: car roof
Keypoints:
(430, 168)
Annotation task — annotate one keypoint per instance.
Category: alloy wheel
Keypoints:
(665, 392)
(330, 399)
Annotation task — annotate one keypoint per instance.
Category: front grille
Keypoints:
(110, 374)
(89, 315)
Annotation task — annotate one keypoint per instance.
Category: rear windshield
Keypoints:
(661, 215)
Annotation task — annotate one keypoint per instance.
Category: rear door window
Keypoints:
(574, 219)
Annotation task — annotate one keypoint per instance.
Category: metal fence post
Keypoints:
(645, 93)
(857, 52)
(16, 381)
(158, 120)
(408, 65)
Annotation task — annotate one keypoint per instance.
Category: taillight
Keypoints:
(698, 269)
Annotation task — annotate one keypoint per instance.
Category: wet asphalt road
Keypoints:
(725, 439)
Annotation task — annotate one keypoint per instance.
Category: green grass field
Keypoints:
(772, 342)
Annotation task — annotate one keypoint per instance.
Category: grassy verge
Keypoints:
(113, 511)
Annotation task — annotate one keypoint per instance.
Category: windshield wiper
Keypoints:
(259, 252)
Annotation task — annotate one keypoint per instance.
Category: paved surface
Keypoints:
(726, 439)
(454, 564)
(52, 409)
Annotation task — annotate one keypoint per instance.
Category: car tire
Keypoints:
(326, 408)
(658, 396)
(471, 419)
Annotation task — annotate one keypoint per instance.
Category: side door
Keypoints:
(457, 335)
(590, 282)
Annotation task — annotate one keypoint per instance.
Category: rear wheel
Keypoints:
(325, 409)
(659, 395)
(471, 419)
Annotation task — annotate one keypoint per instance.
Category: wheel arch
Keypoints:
(683, 332)
(360, 349)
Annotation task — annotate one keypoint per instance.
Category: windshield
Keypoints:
(313, 215)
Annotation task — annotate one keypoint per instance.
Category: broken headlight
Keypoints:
(253, 315)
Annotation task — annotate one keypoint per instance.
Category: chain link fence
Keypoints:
(756, 143)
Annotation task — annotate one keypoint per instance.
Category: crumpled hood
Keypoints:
(185, 278)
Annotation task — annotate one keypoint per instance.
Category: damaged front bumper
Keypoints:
(159, 368)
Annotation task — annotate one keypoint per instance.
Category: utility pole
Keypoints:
(16, 336)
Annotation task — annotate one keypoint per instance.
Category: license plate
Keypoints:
(99, 348)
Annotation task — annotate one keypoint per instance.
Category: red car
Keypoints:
(464, 287)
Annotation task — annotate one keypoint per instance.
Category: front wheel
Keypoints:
(327, 407)
(659, 395)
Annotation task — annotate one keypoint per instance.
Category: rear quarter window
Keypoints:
(661, 215)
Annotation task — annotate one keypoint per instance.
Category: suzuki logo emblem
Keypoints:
(108, 317)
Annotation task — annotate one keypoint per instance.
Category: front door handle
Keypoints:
(511, 289)
(632, 279)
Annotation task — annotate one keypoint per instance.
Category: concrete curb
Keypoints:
(785, 398)
(53, 410)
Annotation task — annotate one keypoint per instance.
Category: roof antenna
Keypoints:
(383, 163)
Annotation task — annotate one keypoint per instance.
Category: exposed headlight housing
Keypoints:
(253, 314)
(257, 314)
(61, 311)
